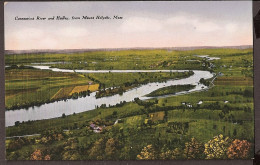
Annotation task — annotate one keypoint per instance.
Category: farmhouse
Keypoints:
(95, 128)
(92, 126)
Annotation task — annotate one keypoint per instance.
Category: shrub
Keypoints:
(38, 155)
(217, 147)
(248, 93)
(172, 154)
(147, 153)
(239, 149)
(193, 149)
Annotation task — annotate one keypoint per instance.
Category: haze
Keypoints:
(144, 24)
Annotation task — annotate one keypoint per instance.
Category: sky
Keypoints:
(144, 24)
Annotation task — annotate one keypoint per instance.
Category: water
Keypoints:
(56, 109)
(50, 63)
(207, 57)
(104, 71)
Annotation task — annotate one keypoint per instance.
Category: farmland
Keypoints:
(161, 128)
(171, 90)
(27, 87)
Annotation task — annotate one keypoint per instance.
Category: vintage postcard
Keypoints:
(129, 80)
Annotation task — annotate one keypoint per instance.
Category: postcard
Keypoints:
(129, 80)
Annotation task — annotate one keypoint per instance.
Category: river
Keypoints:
(70, 106)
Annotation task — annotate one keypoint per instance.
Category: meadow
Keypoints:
(170, 90)
(174, 127)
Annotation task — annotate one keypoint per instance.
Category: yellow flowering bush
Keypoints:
(147, 153)
(171, 154)
(217, 147)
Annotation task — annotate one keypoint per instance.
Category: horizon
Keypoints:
(136, 48)
(143, 24)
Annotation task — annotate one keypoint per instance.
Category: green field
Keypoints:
(170, 90)
(160, 128)
(26, 87)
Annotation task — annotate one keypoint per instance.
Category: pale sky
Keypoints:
(144, 24)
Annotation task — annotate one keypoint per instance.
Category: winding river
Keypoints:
(56, 109)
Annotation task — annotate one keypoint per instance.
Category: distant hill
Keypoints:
(69, 51)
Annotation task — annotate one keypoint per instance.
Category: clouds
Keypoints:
(25, 38)
(146, 24)
(193, 22)
(231, 27)
(141, 24)
(73, 32)
(39, 38)
(185, 29)
(180, 22)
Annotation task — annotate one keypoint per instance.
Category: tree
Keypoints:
(70, 149)
(150, 123)
(147, 153)
(248, 93)
(239, 149)
(75, 125)
(47, 157)
(166, 155)
(17, 123)
(70, 155)
(12, 156)
(97, 151)
(70, 144)
(177, 153)
(125, 153)
(36, 155)
(204, 82)
(172, 154)
(193, 149)
(156, 101)
(50, 136)
(217, 147)
(114, 114)
(235, 132)
(15, 144)
(111, 148)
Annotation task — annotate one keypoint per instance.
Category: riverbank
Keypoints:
(171, 90)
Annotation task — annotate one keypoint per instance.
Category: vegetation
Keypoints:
(131, 80)
(26, 87)
(239, 149)
(217, 123)
(217, 147)
(171, 90)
